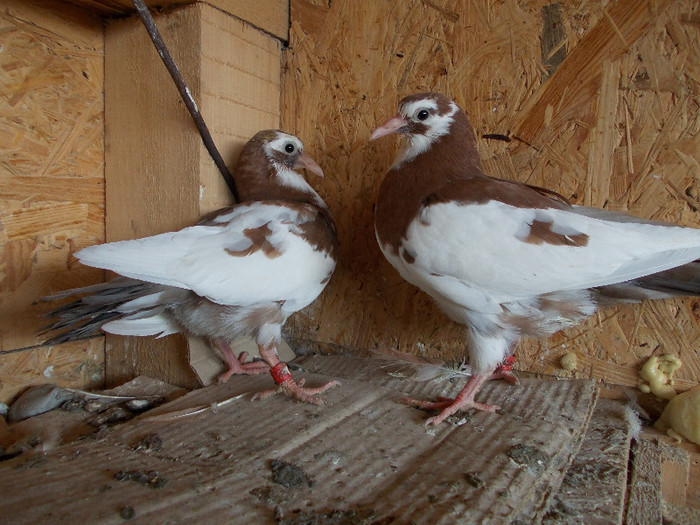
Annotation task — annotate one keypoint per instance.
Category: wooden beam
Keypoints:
(271, 16)
(158, 174)
(51, 185)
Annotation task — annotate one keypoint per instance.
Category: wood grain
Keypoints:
(158, 175)
(617, 125)
(51, 183)
(271, 16)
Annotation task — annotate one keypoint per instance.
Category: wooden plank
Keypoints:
(553, 39)
(271, 16)
(240, 93)
(663, 484)
(364, 451)
(644, 502)
(573, 87)
(89, 190)
(594, 488)
(680, 478)
(74, 365)
(159, 176)
(151, 165)
(27, 223)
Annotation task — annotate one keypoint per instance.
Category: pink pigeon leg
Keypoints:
(463, 401)
(505, 371)
(280, 373)
(237, 365)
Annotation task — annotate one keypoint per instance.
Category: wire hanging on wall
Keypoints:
(185, 93)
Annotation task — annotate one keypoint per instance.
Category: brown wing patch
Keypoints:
(259, 242)
(318, 229)
(541, 232)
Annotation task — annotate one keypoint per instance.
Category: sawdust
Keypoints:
(474, 480)
(291, 476)
(108, 416)
(273, 496)
(149, 443)
(460, 418)
(32, 462)
(560, 513)
(333, 457)
(127, 513)
(582, 475)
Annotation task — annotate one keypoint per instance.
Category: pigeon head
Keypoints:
(287, 151)
(266, 169)
(423, 119)
(431, 121)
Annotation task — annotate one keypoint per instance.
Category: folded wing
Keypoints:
(251, 253)
(518, 252)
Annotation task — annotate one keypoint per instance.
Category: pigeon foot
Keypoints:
(449, 406)
(295, 390)
(238, 366)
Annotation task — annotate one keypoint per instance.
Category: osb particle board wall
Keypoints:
(51, 184)
(53, 153)
(616, 125)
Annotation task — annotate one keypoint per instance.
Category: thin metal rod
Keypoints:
(185, 93)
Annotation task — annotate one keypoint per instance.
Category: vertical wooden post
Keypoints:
(158, 174)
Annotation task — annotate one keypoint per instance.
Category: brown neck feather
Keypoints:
(257, 181)
(405, 190)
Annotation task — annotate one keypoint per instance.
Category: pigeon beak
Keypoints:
(393, 125)
(306, 162)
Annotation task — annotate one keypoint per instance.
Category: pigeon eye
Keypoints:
(289, 147)
(423, 114)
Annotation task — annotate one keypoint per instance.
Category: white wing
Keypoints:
(218, 260)
(486, 248)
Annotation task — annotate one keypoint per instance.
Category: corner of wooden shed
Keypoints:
(599, 101)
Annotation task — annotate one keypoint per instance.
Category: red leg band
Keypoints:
(507, 364)
(280, 373)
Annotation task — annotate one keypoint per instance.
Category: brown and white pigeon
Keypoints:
(504, 258)
(241, 270)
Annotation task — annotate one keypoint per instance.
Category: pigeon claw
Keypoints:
(297, 391)
(506, 375)
(463, 401)
(447, 406)
(238, 366)
(505, 371)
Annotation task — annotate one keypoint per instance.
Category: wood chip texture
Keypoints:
(616, 125)
(51, 183)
